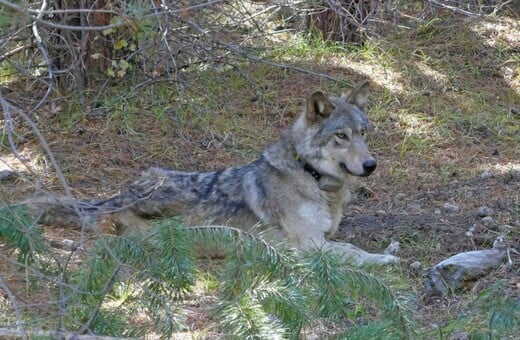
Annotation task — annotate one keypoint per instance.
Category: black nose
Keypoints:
(369, 166)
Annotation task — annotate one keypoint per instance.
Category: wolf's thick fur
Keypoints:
(299, 184)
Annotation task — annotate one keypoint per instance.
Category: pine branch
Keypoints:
(286, 300)
(496, 315)
(158, 265)
(363, 285)
(373, 330)
(245, 318)
(17, 228)
(326, 284)
(258, 279)
(94, 313)
(176, 260)
(335, 290)
(161, 302)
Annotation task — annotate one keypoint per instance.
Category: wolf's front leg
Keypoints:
(308, 229)
(353, 253)
(360, 256)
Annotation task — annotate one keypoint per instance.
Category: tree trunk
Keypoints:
(83, 56)
(343, 20)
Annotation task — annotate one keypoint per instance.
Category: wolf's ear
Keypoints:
(358, 95)
(318, 106)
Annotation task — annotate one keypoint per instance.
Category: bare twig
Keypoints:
(44, 144)
(255, 58)
(15, 51)
(39, 275)
(45, 56)
(499, 6)
(237, 50)
(9, 127)
(455, 9)
(13, 333)
(38, 18)
(12, 298)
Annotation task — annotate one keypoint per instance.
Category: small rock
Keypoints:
(416, 265)
(437, 211)
(504, 228)
(380, 213)
(486, 175)
(487, 220)
(414, 207)
(64, 244)
(7, 175)
(459, 335)
(484, 211)
(468, 233)
(428, 93)
(393, 248)
(450, 207)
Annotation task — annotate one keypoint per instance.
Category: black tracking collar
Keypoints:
(310, 169)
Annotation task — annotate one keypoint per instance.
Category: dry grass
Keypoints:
(445, 102)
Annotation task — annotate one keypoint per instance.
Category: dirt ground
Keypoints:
(413, 214)
(420, 214)
(426, 197)
(429, 233)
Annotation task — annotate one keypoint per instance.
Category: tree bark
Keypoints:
(343, 20)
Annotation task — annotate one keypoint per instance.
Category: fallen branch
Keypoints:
(455, 9)
(14, 333)
(15, 51)
(254, 58)
(38, 18)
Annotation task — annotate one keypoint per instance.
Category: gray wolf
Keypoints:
(298, 185)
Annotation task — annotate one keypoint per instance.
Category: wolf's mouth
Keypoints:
(345, 168)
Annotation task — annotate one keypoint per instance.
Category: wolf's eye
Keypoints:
(342, 135)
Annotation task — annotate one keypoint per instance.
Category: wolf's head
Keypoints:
(330, 134)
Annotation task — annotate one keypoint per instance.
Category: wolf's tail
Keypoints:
(72, 213)
(76, 213)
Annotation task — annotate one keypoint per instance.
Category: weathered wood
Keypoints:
(462, 270)
(10, 333)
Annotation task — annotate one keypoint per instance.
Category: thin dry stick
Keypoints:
(33, 126)
(15, 51)
(38, 19)
(254, 58)
(12, 298)
(455, 9)
(39, 275)
(46, 147)
(45, 56)
(15, 334)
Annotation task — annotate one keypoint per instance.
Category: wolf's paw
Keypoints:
(389, 259)
(380, 259)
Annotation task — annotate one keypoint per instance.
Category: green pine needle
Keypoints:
(18, 229)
